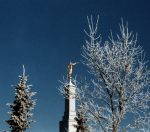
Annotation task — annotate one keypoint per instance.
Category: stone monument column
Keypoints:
(68, 122)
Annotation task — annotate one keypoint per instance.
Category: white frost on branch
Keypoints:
(121, 79)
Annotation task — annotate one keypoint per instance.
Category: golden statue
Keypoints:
(70, 67)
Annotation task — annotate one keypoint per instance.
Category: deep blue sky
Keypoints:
(45, 35)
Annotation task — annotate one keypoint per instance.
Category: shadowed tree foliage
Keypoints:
(81, 122)
(20, 114)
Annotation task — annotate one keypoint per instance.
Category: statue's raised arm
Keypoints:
(70, 67)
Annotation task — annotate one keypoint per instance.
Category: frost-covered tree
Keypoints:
(119, 97)
(20, 114)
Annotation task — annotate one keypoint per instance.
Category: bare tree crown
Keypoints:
(122, 79)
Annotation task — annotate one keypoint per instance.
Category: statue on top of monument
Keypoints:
(70, 67)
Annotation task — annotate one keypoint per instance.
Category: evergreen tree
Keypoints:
(20, 115)
(81, 122)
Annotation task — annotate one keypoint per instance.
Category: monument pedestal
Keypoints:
(68, 122)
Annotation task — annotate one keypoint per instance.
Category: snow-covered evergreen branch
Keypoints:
(20, 114)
